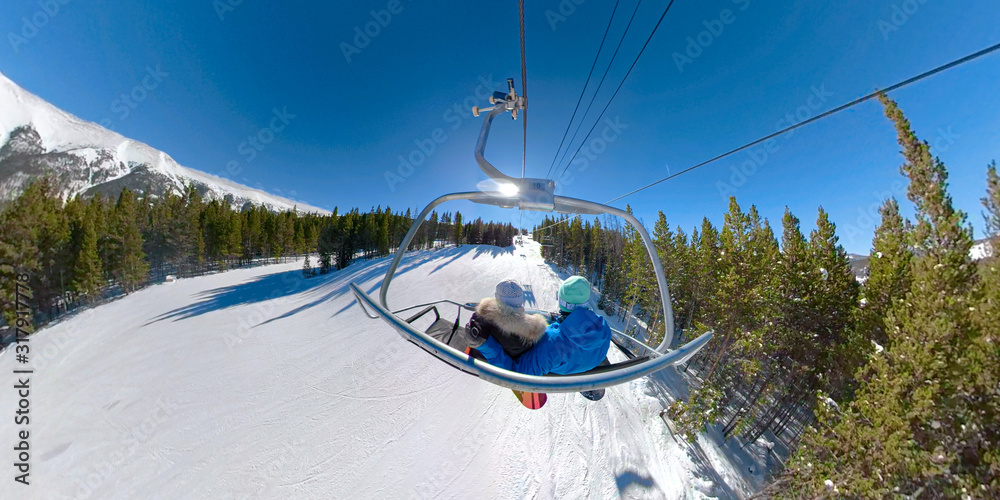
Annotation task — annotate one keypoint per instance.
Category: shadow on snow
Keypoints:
(288, 283)
(629, 478)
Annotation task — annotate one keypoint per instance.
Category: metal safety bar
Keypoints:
(520, 381)
(562, 205)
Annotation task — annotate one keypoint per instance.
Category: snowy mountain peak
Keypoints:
(37, 138)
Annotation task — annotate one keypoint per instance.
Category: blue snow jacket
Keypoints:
(577, 344)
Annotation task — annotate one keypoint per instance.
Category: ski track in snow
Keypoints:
(255, 383)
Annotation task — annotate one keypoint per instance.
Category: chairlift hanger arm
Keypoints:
(502, 103)
(484, 134)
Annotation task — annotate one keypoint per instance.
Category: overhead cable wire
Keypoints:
(601, 83)
(584, 89)
(625, 78)
(891, 88)
(821, 116)
(524, 90)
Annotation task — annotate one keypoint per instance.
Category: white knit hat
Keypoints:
(510, 294)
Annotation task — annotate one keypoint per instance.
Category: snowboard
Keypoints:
(531, 400)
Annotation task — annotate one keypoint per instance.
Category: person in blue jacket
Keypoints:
(576, 344)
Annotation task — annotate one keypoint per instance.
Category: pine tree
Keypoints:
(596, 261)
(987, 318)
(87, 269)
(681, 292)
(834, 306)
(889, 276)
(192, 241)
(307, 269)
(128, 264)
(35, 232)
(100, 216)
(706, 262)
(458, 230)
(382, 233)
(233, 236)
(795, 346)
(637, 275)
(992, 205)
(742, 314)
(925, 418)
(299, 237)
(432, 229)
(574, 245)
(327, 246)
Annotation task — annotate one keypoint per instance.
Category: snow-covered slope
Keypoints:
(981, 250)
(36, 138)
(256, 383)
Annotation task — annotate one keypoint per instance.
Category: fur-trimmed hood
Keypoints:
(526, 327)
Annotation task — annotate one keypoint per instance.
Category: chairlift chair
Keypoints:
(444, 338)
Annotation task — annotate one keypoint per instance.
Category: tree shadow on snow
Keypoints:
(371, 290)
(274, 286)
(452, 254)
(669, 385)
(456, 252)
(492, 250)
(629, 478)
(705, 469)
(362, 275)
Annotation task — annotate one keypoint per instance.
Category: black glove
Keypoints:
(476, 332)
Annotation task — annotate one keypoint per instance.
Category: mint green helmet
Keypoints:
(573, 292)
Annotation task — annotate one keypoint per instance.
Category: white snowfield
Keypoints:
(257, 383)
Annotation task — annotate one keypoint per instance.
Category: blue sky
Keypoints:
(226, 68)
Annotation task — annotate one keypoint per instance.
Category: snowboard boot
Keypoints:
(596, 394)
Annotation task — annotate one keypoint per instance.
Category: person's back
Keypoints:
(502, 318)
(577, 344)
